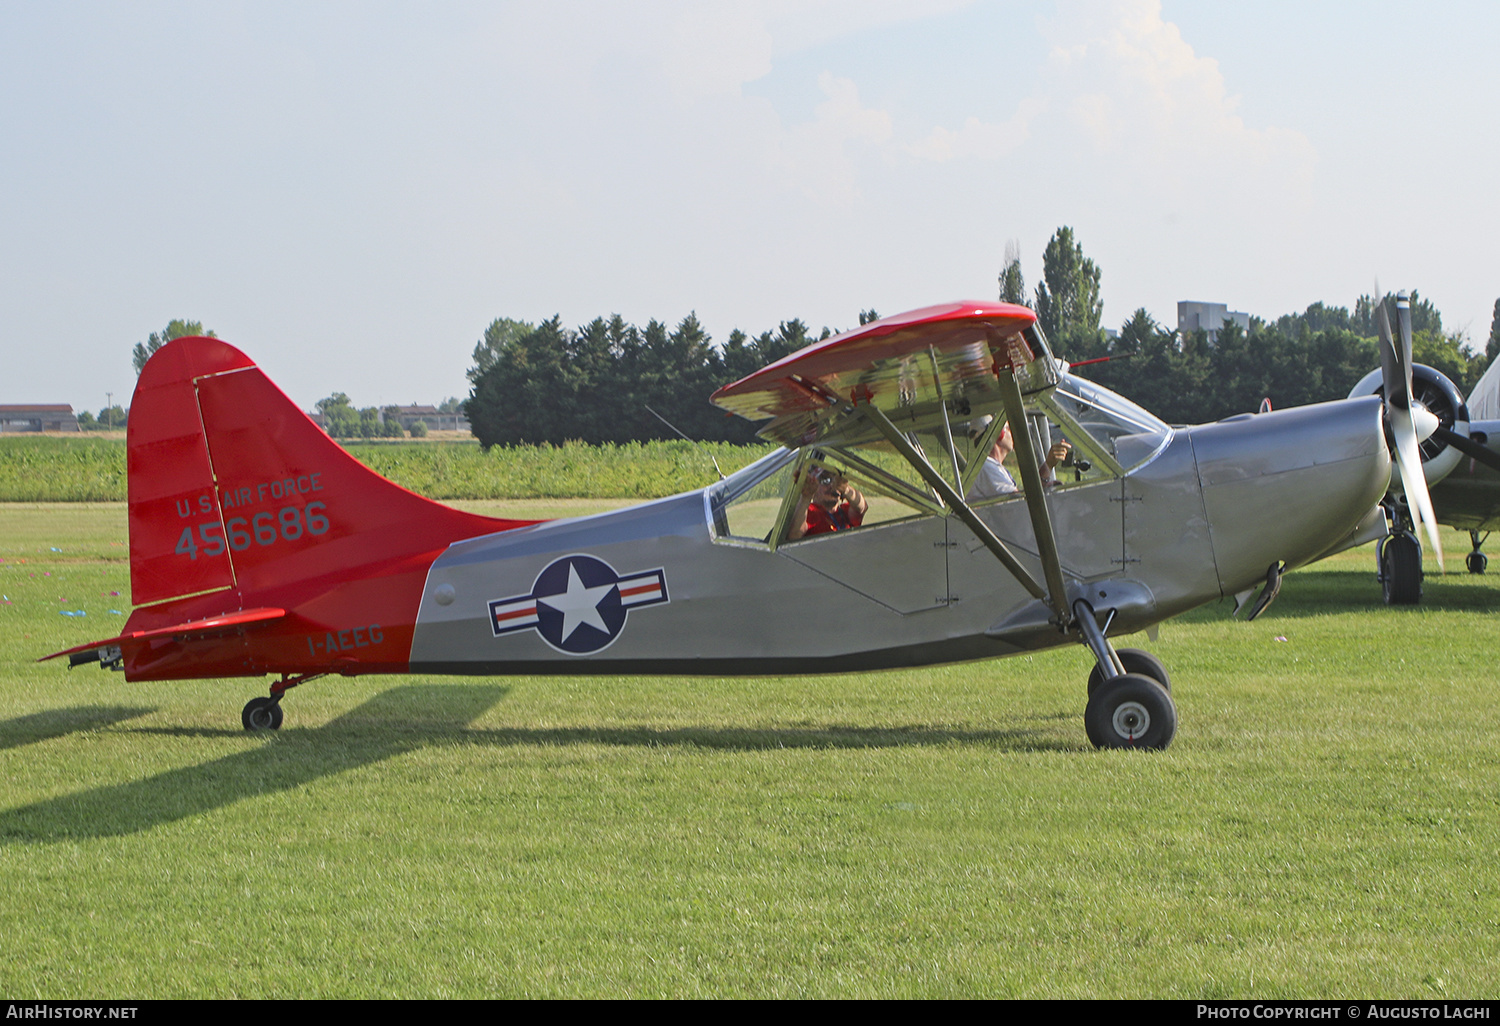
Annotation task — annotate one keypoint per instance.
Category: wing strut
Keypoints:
(1036, 495)
(956, 502)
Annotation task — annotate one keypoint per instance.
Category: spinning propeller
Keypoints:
(1409, 423)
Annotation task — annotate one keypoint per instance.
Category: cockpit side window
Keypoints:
(744, 506)
(759, 504)
(882, 483)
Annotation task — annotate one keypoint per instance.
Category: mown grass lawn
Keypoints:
(1324, 825)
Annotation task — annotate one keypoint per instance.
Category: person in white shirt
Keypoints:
(994, 479)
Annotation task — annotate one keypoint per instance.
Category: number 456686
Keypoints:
(265, 528)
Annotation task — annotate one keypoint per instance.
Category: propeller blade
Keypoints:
(1395, 364)
(1469, 447)
(1395, 367)
(1413, 481)
(1403, 320)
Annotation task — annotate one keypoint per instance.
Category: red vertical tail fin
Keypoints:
(238, 500)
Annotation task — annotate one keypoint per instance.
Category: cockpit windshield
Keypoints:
(1124, 431)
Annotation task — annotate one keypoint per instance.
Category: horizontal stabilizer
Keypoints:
(182, 631)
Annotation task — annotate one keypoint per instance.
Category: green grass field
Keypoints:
(1325, 824)
(89, 468)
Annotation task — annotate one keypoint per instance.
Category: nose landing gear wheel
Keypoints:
(261, 714)
(1401, 569)
(1132, 711)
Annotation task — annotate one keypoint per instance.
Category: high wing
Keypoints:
(908, 373)
(917, 368)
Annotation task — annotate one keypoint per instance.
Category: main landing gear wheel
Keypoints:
(1401, 570)
(1138, 661)
(1132, 711)
(262, 714)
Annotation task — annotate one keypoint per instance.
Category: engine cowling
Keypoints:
(1434, 392)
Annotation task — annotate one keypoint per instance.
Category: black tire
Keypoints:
(1136, 660)
(1477, 562)
(261, 714)
(1401, 570)
(1130, 712)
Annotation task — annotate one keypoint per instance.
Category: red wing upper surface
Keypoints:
(913, 360)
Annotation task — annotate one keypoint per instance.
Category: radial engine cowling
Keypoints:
(1433, 391)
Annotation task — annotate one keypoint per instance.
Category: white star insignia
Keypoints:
(579, 605)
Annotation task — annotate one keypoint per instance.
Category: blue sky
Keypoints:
(350, 192)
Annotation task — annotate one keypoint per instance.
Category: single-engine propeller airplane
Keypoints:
(258, 546)
(1459, 457)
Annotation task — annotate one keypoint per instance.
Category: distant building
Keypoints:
(429, 415)
(1207, 317)
(409, 415)
(44, 417)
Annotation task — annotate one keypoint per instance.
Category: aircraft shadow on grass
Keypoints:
(365, 735)
(756, 739)
(1333, 592)
(55, 723)
(341, 744)
(1352, 591)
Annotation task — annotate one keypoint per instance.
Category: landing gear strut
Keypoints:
(1130, 694)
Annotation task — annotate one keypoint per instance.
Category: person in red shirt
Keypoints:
(833, 504)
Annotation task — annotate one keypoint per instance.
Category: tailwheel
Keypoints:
(262, 714)
(1132, 711)
(1138, 661)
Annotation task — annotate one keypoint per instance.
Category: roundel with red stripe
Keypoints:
(578, 604)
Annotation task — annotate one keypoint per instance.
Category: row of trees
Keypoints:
(111, 418)
(342, 420)
(610, 381)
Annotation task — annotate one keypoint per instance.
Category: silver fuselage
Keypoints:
(1203, 518)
